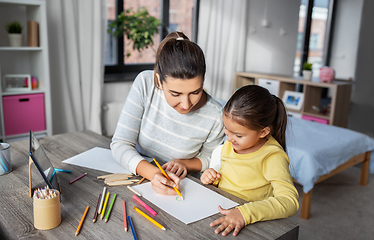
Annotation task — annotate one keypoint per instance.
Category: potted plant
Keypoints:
(307, 71)
(14, 30)
(139, 27)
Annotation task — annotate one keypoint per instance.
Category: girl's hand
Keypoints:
(176, 167)
(164, 186)
(209, 176)
(233, 220)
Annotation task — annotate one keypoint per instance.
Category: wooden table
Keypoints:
(16, 217)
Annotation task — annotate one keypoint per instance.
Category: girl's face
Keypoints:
(184, 95)
(243, 139)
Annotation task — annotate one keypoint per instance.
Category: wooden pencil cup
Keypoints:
(47, 212)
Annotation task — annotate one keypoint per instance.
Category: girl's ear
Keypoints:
(264, 132)
(158, 81)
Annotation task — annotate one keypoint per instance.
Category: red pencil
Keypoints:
(97, 207)
(124, 215)
(84, 174)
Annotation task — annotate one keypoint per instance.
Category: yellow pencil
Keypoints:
(163, 172)
(105, 203)
(149, 218)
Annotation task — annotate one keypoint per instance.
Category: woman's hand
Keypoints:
(176, 167)
(209, 176)
(164, 186)
(233, 220)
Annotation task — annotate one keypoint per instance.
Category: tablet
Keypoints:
(42, 163)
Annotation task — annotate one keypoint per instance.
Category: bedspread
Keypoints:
(316, 149)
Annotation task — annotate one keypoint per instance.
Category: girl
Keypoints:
(169, 116)
(254, 162)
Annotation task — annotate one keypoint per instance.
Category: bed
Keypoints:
(318, 151)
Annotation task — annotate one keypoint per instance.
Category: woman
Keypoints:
(169, 116)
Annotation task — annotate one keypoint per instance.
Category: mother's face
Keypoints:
(182, 94)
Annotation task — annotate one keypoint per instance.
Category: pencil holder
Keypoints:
(47, 212)
(5, 166)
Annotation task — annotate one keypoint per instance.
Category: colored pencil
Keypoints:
(141, 180)
(82, 220)
(75, 179)
(132, 190)
(124, 215)
(53, 174)
(110, 208)
(62, 170)
(163, 172)
(144, 205)
(97, 208)
(149, 218)
(101, 201)
(119, 183)
(4, 158)
(132, 228)
(105, 203)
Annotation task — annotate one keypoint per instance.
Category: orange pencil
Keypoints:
(163, 172)
(141, 180)
(82, 220)
(124, 215)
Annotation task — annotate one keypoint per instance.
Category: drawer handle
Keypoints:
(24, 99)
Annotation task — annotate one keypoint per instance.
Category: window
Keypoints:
(315, 22)
(176, 15)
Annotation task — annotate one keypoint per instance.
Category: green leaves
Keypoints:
(13, 27)
(139, 27)
(307, 66)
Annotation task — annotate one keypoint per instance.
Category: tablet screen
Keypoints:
(42, 162)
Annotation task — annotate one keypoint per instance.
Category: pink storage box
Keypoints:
(315, 119)
(23, 112)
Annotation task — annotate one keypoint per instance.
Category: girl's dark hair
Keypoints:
(255, 108)
(178, 57)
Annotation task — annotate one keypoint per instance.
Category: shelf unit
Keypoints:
(340, 94)
(33, 61)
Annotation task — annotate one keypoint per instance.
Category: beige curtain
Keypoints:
(222, 36)
(76, 35)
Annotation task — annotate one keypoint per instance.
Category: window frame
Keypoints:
(328, 36)
(125, 72)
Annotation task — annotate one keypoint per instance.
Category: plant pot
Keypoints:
(307, 75)
(15, 39)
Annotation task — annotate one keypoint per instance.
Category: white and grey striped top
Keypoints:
(149, 127)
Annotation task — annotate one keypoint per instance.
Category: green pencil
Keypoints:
(110, 207)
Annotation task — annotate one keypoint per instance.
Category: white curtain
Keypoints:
(222, 36)
(76, 38)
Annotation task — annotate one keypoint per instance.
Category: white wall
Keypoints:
(116, 92)
(361, 115)
(345, 38)
(267, 50)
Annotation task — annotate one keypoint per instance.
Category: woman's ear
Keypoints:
(264, 132)
(159, 85)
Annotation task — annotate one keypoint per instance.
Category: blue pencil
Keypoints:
(1, 165)
(6, 161)
(53, 174)
(62, 170)
(132, 228)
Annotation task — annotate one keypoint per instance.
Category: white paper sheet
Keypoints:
(99, 159)
(199, 202)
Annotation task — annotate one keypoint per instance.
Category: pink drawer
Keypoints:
(315, 119)
(23, 112)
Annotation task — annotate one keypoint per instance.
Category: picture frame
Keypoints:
(293, 100)
(16, 83)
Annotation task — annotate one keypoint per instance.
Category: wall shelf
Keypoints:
(313, 94)
(23, 60)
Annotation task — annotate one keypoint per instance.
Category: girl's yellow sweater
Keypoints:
(262, 178)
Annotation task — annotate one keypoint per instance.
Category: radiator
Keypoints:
(111, 113)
